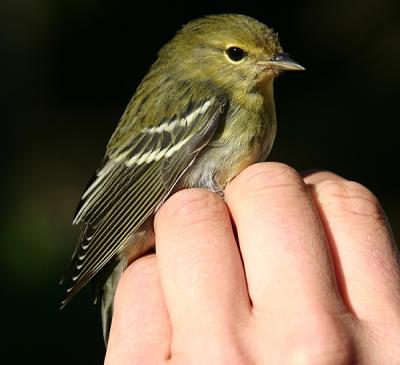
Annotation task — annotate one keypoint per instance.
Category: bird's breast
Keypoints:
(246, 137)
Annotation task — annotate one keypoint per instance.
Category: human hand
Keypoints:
(313, 279)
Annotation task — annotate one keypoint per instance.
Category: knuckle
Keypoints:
(344, 198)
(322, 356)
(269, 175)
(221, 350)
(187, 206)
(328, 343)
(138, 274)
(146, 265)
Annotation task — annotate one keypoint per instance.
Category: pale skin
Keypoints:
(312, 278)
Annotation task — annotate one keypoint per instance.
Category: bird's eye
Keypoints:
(236, 54)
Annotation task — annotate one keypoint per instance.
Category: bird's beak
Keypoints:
(283, 62)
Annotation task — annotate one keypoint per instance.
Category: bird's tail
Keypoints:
(107, 299)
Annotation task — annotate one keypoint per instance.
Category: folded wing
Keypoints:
(133, 182)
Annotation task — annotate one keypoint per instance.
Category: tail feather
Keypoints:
(107, 300)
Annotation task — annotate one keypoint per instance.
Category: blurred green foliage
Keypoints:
(70, 67)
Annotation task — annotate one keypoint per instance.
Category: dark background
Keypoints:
(68, 69)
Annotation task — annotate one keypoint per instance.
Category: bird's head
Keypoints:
(235, 52)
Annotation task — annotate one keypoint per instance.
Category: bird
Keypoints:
(204, 112)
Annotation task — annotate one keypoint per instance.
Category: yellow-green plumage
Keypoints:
(204, 112)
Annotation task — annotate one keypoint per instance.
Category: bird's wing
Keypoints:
(129, 186)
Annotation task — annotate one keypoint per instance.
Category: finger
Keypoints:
(362, 246)
(284, 249)
(140, 330)
(200, 267)
(317, 176)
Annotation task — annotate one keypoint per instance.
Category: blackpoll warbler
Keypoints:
(203, 112)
